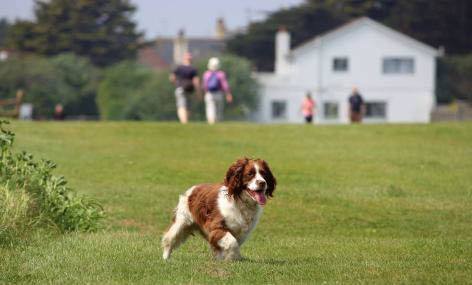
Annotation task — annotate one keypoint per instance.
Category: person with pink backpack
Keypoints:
(215, 86)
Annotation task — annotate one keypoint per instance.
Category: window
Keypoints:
(340, 64)
(376, 110)
(398, 65)
(330, 110)
(279, 109)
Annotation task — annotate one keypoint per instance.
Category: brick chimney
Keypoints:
(220, 29)
(180, 47)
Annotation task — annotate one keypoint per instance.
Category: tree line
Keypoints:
(101, 30)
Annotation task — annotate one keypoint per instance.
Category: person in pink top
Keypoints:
(308, 108)
(215, 85)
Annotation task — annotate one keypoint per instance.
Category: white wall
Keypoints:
(365, 49)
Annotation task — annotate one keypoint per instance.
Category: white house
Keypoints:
(395, 74)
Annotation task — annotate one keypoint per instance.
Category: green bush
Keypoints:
(38, 78)
(66, 79)
(32, 197)
(129, 91)
(154, 101)
(81, 78)
(119, 85)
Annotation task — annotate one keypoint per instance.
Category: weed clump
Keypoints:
(31, 197)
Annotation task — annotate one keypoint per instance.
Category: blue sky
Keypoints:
(158, 17)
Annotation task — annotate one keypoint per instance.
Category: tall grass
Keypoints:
(32, 197)
(14, 215)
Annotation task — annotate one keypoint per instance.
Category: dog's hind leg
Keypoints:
(175, 236)
(181, 227)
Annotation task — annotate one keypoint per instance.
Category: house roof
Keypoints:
(160, 52)
(365, 21)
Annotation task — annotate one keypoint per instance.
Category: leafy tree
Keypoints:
(101, 30)
(38, 78)
(349, 9)
(81, 78)
(454, 74)
(4, 25)
(438, 23)
(21, 36)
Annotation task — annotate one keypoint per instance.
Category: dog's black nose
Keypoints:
(261, 183)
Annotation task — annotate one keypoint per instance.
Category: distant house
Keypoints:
(166, 52)
(396, 75)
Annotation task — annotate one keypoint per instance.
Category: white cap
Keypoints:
(214, 64)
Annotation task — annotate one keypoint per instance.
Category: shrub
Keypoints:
(32, 197)
(129, 91)
(66, 79)
(81, 78)
(454, 73)
(154, 101)
(119, 86)
(37, 76)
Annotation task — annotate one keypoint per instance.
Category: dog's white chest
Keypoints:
(239, 217)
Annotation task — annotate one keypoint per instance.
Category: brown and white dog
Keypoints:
(225, 213)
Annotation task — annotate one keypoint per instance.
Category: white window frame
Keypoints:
(334, 118)
(376, 118)
(398, 65)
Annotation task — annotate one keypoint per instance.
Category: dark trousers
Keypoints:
(356, 117)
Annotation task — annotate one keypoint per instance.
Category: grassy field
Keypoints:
(354, 204)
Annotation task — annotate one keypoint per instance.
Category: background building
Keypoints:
(396, 75)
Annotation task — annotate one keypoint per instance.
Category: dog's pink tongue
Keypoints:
(261, 198)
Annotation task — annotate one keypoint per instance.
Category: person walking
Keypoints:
(308, 108)
(356, 106)
(215, 86)
(59, 114)
(185, 78)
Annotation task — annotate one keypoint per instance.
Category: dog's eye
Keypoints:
(262, 172)
(251, 173)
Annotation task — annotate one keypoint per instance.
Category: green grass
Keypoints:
(354, 204)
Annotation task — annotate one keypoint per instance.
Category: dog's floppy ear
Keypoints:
(269, 178)
(234, 177)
